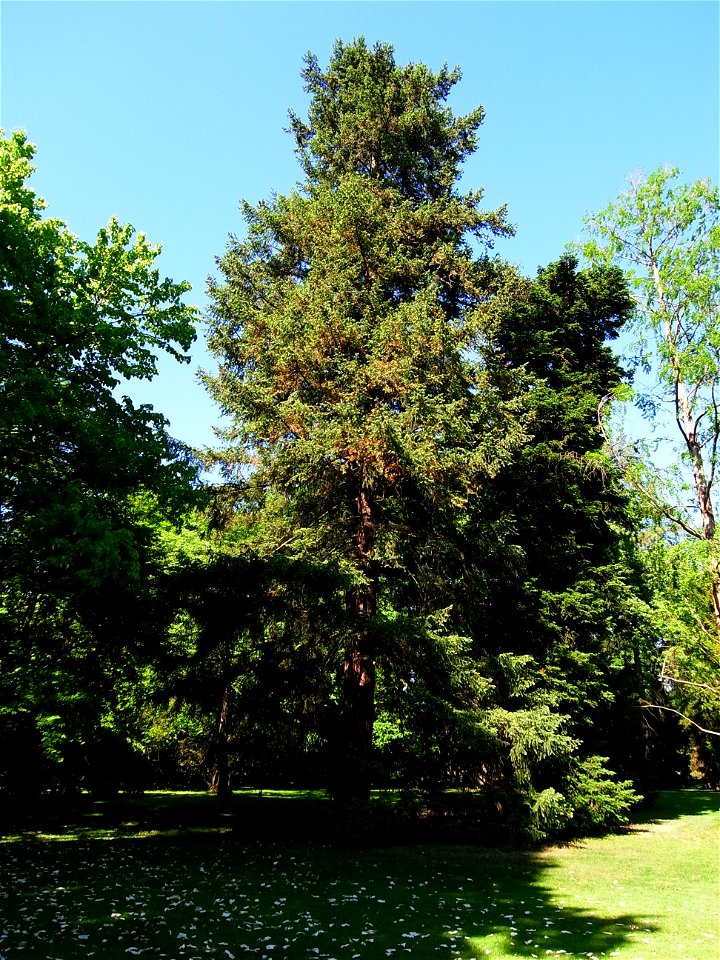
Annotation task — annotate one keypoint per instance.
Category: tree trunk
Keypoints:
(688, 427)
(688, 424)
(715, 574)
(220, 784)
(358, 681)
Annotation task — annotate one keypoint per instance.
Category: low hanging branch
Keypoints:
(689, 683)
(657, 706)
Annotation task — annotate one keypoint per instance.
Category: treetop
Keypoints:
(369, 116)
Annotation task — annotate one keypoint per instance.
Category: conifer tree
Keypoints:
(366, 403)
(575, 602)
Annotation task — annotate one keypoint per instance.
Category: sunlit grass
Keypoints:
(166, 890)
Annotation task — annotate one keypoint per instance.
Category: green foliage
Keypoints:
(368, 403)
(419, 569)
(247, 664)
(370, 117)
(572, 596)
(548, 812)
(685, 692)
(78, 318)
(667, 234)
(425, 420)
(599, 802)
(344, 323)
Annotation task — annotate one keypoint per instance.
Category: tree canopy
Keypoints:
(353, 364)
(77, 460)
(666, 235)
(376, 401)
(418, 564)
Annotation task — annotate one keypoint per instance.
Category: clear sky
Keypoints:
(166, 114)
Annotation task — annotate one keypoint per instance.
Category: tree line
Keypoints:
(432, 560)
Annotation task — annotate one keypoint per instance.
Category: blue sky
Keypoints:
(167, 114)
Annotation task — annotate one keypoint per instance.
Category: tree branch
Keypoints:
(689, 683)
(656, 706)
(661, 507)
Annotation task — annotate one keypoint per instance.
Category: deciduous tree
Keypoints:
(76, 459)
(666, 235)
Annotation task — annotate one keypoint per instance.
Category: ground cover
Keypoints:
(175, 877)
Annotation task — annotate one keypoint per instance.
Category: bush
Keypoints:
(598, 801)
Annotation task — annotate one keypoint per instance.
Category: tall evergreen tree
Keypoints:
(366, 401)
(574, 602)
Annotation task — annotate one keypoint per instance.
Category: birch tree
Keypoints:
(666, 235)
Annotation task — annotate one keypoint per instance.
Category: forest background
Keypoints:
(241, 688)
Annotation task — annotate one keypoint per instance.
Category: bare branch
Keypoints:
(662, 508)
(689, 683)
(657, 706)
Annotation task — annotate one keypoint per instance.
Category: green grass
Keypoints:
(173, 876)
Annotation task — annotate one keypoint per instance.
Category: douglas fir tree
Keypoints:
(366, 405)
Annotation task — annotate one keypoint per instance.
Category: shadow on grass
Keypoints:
(200, 897)
(515, 912)
(176, 876)
(295, 816)
(267, 816)
(673, 804)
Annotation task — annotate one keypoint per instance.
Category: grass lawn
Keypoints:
(121, 880)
